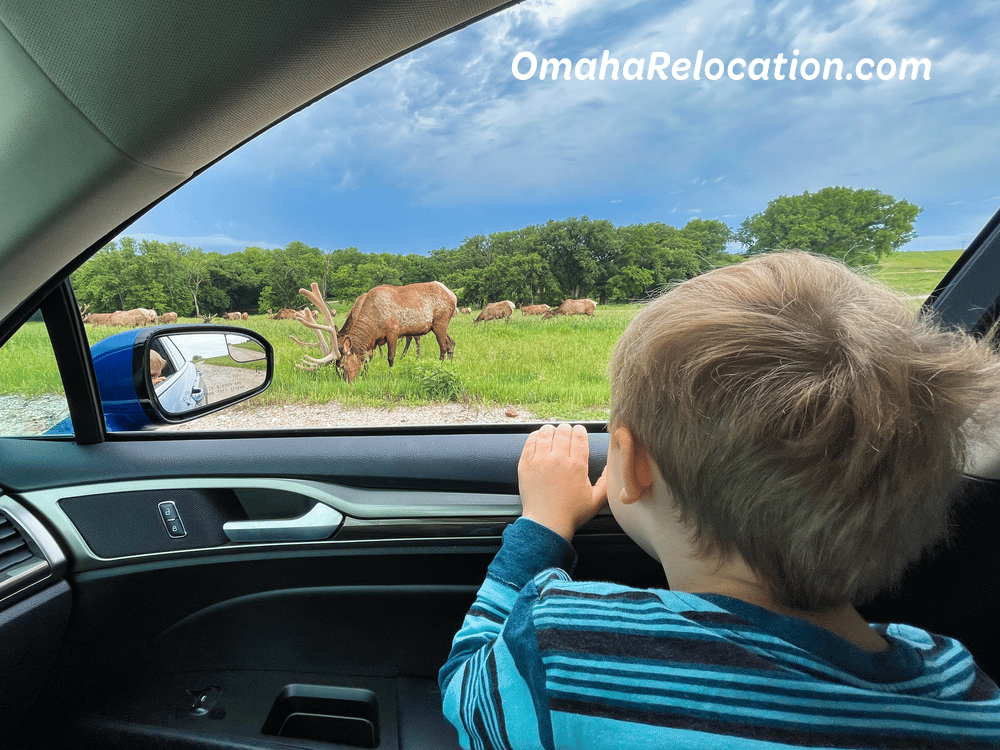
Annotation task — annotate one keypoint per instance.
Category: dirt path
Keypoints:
(291, 416)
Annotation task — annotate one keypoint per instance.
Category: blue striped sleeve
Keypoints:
(493, 681)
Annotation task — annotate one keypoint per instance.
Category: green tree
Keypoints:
(291, 268)
(520, 278)
(857, 226)
(574, 248)
(712, 238)
(630, 283)
(102, 282)
(199, 267)
(668, 253)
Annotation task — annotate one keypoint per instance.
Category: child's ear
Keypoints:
(637, 468)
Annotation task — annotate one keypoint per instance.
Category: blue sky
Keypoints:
(446, 143)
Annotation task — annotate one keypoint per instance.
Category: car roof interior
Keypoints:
(92, 139)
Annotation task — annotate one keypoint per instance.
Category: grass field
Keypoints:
(555, 368)
(916, 273)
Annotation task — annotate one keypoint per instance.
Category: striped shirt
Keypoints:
(542, 661)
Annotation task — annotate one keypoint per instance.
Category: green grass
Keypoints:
(27, 364)
(554, 368)
(916, 274)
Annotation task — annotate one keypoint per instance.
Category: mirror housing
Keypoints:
(197, 370)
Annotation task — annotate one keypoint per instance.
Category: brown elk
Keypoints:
(573, 307)
(534, 309)
(139, 316)
(496, 311)
(465, 310)
(285, 313)
(385, 313)
(167, 317)
(232, 316)
(98, 319)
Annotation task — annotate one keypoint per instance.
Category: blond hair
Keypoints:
(156, 363)
(805, 418)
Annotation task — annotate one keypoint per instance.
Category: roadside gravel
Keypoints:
(291, 416)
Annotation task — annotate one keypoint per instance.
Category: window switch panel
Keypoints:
(172, 520)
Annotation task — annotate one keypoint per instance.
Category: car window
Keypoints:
(32, 398)
(554, 167)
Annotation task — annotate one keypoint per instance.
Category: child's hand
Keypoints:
(553, 479)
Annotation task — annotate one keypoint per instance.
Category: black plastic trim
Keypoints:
(456, 461)
(72, 352)
(966, 298)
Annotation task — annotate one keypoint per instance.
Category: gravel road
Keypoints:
(32, 416)
(247, 416)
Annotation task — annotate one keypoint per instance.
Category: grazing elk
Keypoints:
(573, 307)
(465, 310)
(285, 313)
(139, 316)
(167, 317)
(384, 313)
(534, 309)
(98, 319)
(496, 311)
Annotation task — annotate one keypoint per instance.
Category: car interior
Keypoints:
(283, 589)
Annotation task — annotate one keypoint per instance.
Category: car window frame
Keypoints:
(76, 368)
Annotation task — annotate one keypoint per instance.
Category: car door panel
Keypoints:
(379, 600)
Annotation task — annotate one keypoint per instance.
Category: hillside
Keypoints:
(916, 273)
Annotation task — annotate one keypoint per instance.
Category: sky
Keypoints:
(446, 143)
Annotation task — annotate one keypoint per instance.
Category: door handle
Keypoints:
(318, 523)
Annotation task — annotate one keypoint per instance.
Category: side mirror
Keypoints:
(168, 375)
(187, 374)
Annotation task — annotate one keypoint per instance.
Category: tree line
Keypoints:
(574, 257)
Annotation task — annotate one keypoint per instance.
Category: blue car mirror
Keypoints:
(174, 374)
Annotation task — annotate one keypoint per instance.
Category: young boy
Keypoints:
(786, 438)
(156, 365)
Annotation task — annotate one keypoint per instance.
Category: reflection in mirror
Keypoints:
(191, 370)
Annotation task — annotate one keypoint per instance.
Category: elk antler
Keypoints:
(330, 350)
(84, 309)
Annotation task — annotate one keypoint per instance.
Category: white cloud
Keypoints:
(209, 243)
(450, 126)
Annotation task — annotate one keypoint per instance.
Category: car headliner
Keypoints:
(109, 106)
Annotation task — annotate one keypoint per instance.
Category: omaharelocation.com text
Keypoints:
(660, 66)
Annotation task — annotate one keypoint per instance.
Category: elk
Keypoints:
(534, 309)
(136, 317)
(573, 307)
(285, 313)
(167, 317)
(465, 310)
(496, 311)
(97, 319)
(383, 314)
(232, 316)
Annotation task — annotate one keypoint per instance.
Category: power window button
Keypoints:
(172, 520)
